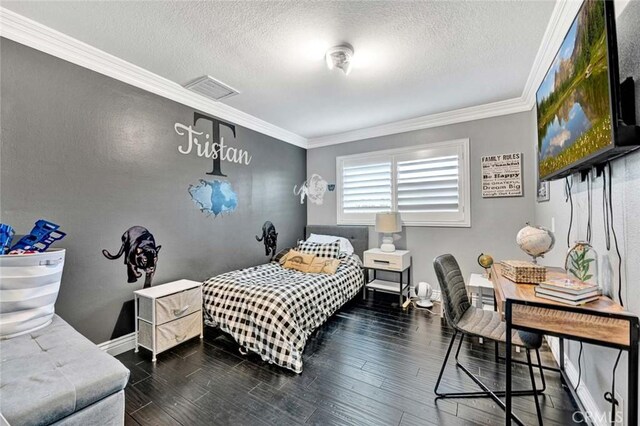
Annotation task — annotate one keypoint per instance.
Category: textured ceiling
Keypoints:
(411, 58)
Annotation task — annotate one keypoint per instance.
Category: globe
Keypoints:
(485, 260)
(536, 241)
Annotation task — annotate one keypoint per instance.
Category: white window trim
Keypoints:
(465, 187)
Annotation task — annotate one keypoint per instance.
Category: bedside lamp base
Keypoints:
(387, 244)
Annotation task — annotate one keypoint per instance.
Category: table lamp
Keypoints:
(387, 224)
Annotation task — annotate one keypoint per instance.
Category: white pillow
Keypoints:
(345, 245)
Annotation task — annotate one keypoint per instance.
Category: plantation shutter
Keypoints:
(428, 185)
(366, 187)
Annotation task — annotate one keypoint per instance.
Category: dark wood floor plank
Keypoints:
(151, 414)
(287, 402)
(130, 421)
(370, 364)
(274, 377)
(134, 399)
(322, 417)
(321, 364)
(338, 398)
(179, 408)
(411, 420)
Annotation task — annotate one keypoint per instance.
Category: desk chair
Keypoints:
(467, 320)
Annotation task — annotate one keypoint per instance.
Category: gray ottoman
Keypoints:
(55, 375)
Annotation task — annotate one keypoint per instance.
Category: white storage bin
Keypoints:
(29, 286)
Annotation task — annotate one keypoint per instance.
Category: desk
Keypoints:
(602, 322)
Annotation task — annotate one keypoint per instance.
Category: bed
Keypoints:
(272, 311)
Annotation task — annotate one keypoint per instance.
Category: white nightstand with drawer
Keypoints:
(398, 261)
(167, 315)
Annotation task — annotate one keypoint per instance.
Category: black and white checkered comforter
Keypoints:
(272, 311)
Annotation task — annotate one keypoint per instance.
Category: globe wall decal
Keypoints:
(536, 241)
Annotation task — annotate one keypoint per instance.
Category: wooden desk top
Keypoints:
(507, 289)
(589, 322)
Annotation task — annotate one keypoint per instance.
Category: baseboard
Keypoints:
(119, 345)
(596, 416)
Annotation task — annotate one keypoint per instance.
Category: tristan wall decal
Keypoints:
(213, 197)
(213, 145)
(140, 253)
(313, 188)
(270, 239)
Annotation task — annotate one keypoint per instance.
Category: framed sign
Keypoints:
(502, 175)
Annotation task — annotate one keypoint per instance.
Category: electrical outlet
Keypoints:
(618, 417)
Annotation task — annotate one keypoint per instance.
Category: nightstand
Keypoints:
(167, 315)
(398, 261)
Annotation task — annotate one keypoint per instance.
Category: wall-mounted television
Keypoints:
(584, 117)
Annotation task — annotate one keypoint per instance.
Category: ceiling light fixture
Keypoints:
(340, 57)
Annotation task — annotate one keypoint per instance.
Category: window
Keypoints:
(428, 185)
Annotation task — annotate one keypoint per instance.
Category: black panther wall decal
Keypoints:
(140, 252)
(270, 238)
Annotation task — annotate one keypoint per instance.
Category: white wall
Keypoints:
(597, 363)
(494, 221)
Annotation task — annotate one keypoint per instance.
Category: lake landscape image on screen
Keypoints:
(574, 117)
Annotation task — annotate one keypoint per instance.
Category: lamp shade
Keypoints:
(387, 223)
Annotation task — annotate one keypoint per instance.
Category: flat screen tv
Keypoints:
(579, 104)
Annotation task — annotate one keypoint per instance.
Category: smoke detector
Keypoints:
(211, 88)
(340, 57)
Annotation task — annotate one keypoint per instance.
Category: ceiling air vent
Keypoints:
(211, 88)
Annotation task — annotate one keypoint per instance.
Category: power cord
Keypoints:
(613, 232)
(415, 306)
(579, 368)
(605, 211)
(611, 396)
(569, 199)
(589, 205)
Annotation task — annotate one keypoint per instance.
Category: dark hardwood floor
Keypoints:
(370, 364)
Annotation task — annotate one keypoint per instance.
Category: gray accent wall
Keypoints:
(98, 156)
(597, 362)
(494, 221)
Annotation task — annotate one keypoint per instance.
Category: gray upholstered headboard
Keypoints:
(357, 235)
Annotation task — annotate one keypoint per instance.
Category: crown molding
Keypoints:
(561, 19)
(494, 109)
(40, 37)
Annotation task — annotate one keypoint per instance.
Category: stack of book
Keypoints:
(569, 291)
